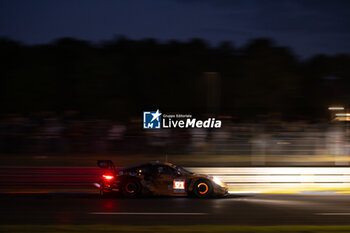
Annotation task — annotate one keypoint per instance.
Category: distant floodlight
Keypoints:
(335, 108)
(342, 114)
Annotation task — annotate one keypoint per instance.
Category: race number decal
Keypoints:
(179, 185)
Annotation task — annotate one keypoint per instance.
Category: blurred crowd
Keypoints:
(71, 134)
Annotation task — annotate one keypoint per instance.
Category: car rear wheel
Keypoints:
(203, 188)
(131, 188)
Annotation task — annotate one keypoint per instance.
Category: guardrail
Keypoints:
(239, 179)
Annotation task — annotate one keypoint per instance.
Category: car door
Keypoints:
(168, 181)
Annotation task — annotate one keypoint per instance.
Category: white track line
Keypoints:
(144, 213)
(238, 192)
(335, 214)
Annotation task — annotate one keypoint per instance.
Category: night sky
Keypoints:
(309, 27)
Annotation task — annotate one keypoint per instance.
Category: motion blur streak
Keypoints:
(281, 179)
(143, 213)
(248, 209)
(333, 214)
(239, 179)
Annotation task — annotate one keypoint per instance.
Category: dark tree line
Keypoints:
(121, 78)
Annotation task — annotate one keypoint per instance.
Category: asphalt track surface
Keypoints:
(252, 209)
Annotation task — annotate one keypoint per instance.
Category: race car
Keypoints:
(157, 178)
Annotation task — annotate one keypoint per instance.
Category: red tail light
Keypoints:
(108, 177)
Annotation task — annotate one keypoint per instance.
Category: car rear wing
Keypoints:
(108, 164)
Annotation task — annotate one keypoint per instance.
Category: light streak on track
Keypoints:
(144, 213)
(239, 179)
(333, 214)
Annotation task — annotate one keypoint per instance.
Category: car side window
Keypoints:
(146, 170)
(166, 170)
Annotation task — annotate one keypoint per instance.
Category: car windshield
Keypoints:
(183, 170)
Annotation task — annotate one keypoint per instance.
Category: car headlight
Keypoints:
(217, 180)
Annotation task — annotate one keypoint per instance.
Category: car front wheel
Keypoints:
(203, 188)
